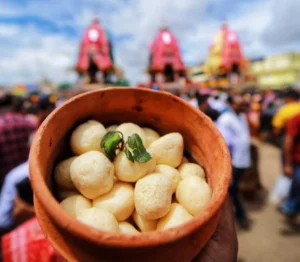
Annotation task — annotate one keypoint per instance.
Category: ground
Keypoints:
(271, 238)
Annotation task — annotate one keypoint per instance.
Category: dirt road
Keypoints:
(271, 238)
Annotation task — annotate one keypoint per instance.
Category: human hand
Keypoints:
(223, 246)
(288, 170)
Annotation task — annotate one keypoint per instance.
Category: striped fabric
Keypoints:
(27, 243)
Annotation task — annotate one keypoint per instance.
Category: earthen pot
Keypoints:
(161, 111)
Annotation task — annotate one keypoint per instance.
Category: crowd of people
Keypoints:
(240, 116)
(20, 117)
(244, 117)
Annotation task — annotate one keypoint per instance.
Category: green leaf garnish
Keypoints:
(111, 142)
(139, 152)
(114, 140)
(128, 154)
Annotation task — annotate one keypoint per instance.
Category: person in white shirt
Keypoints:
(218, 102)
(234, 127)
(8, 195)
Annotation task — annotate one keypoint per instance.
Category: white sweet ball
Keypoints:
(111, 128)
(99, 218)
(193, 193)
(127, 228)
(128, 129)
(190, 169)
(119, 201)
(87, 137)
(75, 204)
(171, 172)
(62, 175)
(151, 135)
(168, 150)
(92, 174)
(153, 196)
(63, 194)
(128, 171)
(175, 217)
(145, 225)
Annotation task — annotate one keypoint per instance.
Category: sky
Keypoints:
(40, 39)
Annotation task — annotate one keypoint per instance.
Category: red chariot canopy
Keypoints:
(165, 51)
(232, 52)
(94, 47)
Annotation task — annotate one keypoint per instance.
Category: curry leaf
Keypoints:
(110, 143)
(128, 154)
(139, 151)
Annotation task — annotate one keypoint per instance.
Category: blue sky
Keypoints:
(40, 38)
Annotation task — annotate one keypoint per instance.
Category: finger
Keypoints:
(223, 246)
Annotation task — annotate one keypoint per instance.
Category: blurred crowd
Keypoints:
(242, 117)
(20, 117)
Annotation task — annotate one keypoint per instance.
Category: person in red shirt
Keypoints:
(15, 131)
(291, 150)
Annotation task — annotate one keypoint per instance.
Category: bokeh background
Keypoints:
(39, 43)
(40, 39)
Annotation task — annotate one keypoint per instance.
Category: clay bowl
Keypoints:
(161, 111)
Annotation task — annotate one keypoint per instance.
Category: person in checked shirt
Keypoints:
(15, 131)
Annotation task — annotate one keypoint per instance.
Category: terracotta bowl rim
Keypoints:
(110, 239)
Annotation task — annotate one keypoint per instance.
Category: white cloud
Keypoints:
(284, 25)
(50, 56)
(263, 27)
(9, 30)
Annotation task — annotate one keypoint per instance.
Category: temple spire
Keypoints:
(165, 57)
